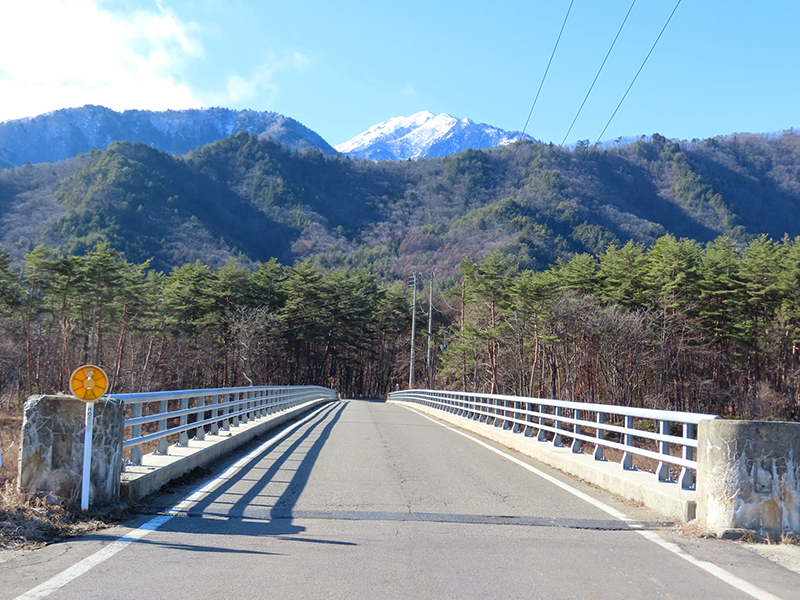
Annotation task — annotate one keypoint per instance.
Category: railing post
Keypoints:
(226, 409)
(163, 446)
(528, 430)
(136, 431)
(557, 442)
(183, 436)
(541, 436)
(576, 443)
(214, 414)
(235, 406)
(200, 430)
(515, 426)
(600, 435)
(663, 468)
(246, 406)
(627, 457)
(686, 479)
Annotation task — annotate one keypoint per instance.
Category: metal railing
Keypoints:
(537, 416)
(204, 411)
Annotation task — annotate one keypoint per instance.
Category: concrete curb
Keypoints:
(637, 486)
(157, 470)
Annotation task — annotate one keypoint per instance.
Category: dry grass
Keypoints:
(10, 438)
(790, 538)
(33, 522)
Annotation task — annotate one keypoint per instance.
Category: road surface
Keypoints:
(371, 500)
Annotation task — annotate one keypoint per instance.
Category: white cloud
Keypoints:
(410, 91)
(61, 53)
(241, 90)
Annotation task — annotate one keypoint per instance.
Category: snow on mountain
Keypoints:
(65, 133)
(425, 134)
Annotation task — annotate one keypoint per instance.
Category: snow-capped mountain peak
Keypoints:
(64, 133)
(424, 134)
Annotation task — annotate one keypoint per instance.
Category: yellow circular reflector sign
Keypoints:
(88, 383)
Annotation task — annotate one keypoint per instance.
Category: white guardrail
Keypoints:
(204, 411)
(529, 416)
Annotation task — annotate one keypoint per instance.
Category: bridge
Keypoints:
(373, 499)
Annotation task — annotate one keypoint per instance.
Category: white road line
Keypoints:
(712, 569)
(58, 581)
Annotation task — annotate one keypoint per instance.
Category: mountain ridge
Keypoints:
(65, 133)
(424, 135)
(251, 198)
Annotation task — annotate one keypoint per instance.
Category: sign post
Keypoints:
(88, 383)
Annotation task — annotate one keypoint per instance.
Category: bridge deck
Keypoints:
(372, 500)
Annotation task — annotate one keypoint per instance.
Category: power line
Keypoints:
(635, 77)
(625, 95)
(445, 299)
(586, 97)
(563, 25)
(600, 70)
(448, 304)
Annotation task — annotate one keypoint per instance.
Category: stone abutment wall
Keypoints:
(51, 460)
(749, 476)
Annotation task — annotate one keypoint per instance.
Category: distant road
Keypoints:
(368, 500)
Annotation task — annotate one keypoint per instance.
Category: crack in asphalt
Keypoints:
(468, 519)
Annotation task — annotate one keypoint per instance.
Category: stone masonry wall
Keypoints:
(749, 476)
(51, 459)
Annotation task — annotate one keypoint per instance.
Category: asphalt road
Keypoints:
(368, 500)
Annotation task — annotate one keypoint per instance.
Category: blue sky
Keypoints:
(339, 67)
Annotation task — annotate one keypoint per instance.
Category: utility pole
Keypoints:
(429, 364)
(413, 332)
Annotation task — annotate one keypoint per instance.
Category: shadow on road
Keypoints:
(241, 505)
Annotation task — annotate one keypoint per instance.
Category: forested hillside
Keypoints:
(652, 273)
(197, 326)
(679, 325)
(254, 199)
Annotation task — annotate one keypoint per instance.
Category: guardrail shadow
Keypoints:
(234, 507)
